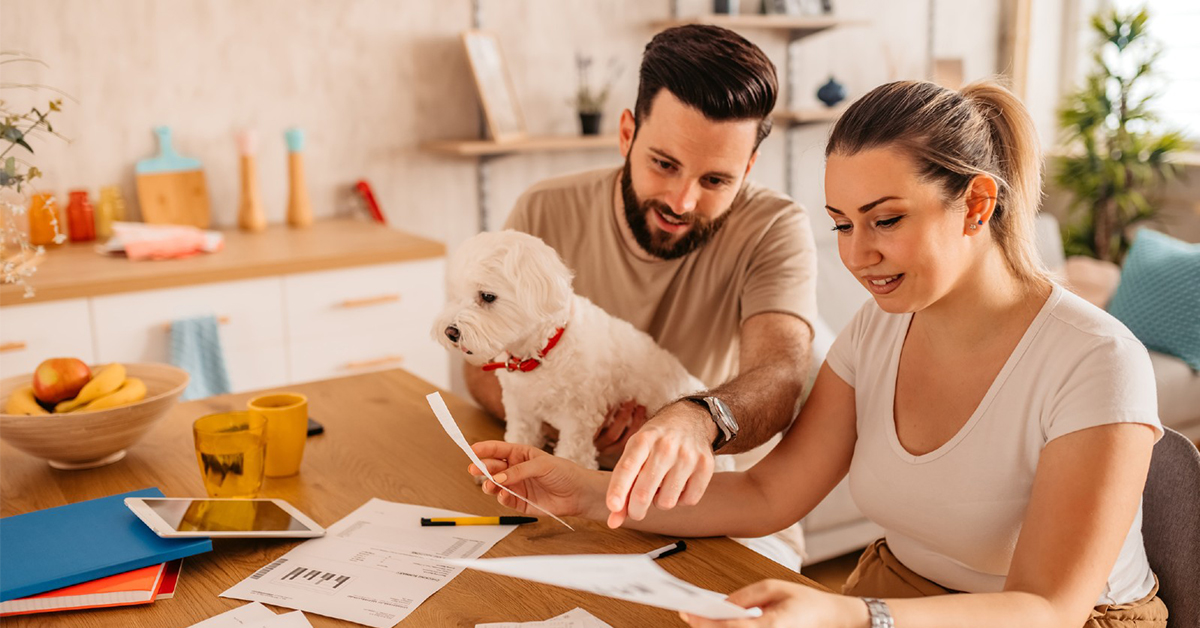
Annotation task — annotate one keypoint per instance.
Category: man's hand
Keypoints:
(669, 461)
(620, 424)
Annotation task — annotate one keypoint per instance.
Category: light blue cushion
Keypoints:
(1158, 298)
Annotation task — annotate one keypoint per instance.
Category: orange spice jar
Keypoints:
(81, 221)
(45, 220)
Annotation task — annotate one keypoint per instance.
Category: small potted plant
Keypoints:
(589, 101)
(19, 257)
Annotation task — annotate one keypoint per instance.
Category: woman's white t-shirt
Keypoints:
(953, 515)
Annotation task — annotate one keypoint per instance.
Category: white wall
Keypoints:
(370, 79)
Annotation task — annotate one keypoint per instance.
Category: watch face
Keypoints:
(725, 415)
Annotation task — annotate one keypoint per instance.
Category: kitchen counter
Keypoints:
(73, 271)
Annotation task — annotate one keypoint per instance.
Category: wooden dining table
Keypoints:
(380, 440)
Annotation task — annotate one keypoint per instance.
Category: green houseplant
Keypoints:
(1118, 154)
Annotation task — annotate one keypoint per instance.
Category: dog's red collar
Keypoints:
(528, 364)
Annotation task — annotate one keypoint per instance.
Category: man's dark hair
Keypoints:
(711, 69)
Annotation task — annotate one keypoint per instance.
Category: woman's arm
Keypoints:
(1085, 496)
(1082, 503)
(810, 460)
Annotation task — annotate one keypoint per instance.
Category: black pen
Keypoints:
(476, 521)
(674, 548)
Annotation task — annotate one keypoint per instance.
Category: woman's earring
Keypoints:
(975, 225)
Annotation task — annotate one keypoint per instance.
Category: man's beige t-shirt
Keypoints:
(761, 260)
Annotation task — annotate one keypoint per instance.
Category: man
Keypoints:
(720, 271)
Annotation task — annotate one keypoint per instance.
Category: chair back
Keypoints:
(1171, 526)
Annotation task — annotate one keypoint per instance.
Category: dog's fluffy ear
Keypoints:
(539, 275)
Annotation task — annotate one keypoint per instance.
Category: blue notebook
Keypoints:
(58, 547)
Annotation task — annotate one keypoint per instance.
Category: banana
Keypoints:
(22, 401)
(131, 391)
(105, 382)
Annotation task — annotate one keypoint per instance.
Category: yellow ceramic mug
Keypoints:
(287, 429)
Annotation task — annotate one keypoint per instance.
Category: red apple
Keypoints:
(59, 379)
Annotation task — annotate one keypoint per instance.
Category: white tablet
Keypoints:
(172, 517)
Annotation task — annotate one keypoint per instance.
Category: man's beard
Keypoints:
(659, 243)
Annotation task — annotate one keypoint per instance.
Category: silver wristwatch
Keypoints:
(727, 427)
(881, 615)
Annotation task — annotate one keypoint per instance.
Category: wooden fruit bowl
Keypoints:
(82, 440)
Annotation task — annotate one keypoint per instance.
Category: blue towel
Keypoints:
(196, 348)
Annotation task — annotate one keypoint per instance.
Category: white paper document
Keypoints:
(631, 577)
(373, 567)
(447, 420)
(574, 618)
(294, 619)
(253, 614)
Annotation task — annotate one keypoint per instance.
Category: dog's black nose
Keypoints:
(452, 333)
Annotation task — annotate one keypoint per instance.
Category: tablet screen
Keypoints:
(213, 515)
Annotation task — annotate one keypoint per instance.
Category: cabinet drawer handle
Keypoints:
(379, 300)
(389, 359)
(221, 320)
(12, 346)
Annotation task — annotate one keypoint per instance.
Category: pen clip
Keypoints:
(663, 552)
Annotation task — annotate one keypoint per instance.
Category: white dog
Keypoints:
(560, 359)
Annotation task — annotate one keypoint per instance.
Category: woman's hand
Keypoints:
(791, 605)
(556, 484)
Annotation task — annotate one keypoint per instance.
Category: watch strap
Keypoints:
(722, 434)
(881, 615)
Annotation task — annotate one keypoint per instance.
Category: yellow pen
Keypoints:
(476, 521)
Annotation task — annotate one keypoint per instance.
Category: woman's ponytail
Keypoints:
(1018, 157)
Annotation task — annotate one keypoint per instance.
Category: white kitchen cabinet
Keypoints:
(136, 327)
(347, 321)
(368, 297)
(340, 297)
(39, 331)
(275, 330)
(351, 354)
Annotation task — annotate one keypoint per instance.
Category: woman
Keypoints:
(996, 426)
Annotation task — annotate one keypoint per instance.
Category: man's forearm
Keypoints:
(763, 401)
(485, 388)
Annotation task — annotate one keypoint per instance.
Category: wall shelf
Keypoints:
(797, 26)
(538, 144)
(809, 115)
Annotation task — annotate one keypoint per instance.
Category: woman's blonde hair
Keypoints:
(953, 137)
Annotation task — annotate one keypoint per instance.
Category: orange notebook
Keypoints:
(140, 586)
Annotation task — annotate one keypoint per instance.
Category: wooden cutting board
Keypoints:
(171, 189)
